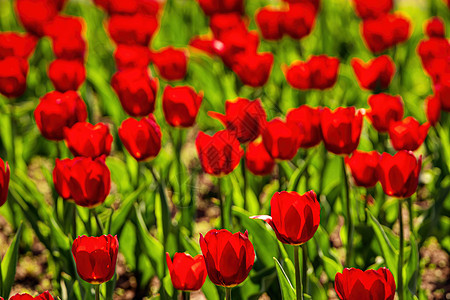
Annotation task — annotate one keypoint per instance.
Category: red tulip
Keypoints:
(229, 257)
(13, 76)
(85, 139)
(56, 111)
(136, 91)
(258, 160)
(314, 3)
(353, 284)
(442, 89)
(69, 47)
(399, 174)
(141, 138)
(384, 109)
(131, 56)
(223, 24)
(4, 181)
(61, 176)
(212, 7)
(435, 27)
(186, 272)
(219, 154)
(128, 7)
(363, 166)
(253, 69)
(434, 54)
(237, 46)
(433, 110)
(64, 26)
(319, 72)
(44, 296)
(171, 63)
(66, 75)
(15, 44)
(294, 217)
(372, 9)
(34, 14)
(282, 139)
(341, 129)
(408, 134)
(181, 105)
(308, 118)
(135, 29)
(205, 44)
(245, 118)
(96, 257)
(270, 23)
(376, 74)
(299, 20)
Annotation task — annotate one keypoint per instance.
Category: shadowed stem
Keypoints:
(74, 221)
(305, 268)
(227, 293)
(100, 228)
(400, 254)
(280, 177)
(221, 200)
(298, 275)
(348, 257)
(186, 295)
(97, 292)
(411, 216)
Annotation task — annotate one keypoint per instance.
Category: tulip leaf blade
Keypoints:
(412, 268)
(287, 290)
(9, 264)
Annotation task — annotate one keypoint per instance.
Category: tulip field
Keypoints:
(224, 149)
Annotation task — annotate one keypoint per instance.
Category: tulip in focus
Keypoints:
(408, 134)
(4, 181)
(384, 109)
(363, 166)
(85, 139)
(61, 177)
(258, 160)
(376, 74)
(308, 119)
(186, 272)
(282, 139)
(181, 105)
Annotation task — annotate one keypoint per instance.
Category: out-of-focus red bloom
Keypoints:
(135, 29)
(4, 181)
(13, 76)
(204, 44)
(399, 174)
(149, 7)
(315, 3)
(363, 166)
(433, 110)
(270, 23)
(385, 32)
(354, 284)
(96, 257)
(442, 90)
(56, 111)
(408, 134)
(171, 63)
(294, 217)
(66, 75)
(136, 91)
(372, 9)
(62, 25)
(376, 74)
(222, 24)
(282, 139)
(308, 118)
(341, 129)
(299, 20)
(237, 42)
(229, 257)
(181, 105)
(435, 57)
(141, 138)
(61, 176)
(16, 44)
(69, 47)
(258, 160)
(85, 139)
(435, 27)
(219, 154)
(131, 56)
(384, 109)
(102, 3)
(186, 272)
(245, 118)
(212, 7)
(44, 296)
(253, 69)
(34, 14)
(319, 72)
(129, 7)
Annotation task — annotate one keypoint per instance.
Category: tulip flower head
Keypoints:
(212, 7)
(4, 181)
(171, 63)
(34, 14)
(408, 134)
(15, 44)
(282, 139)
(181, 105)
(270, 23)
(61, 177)
(137, 29)
(85, 139)
(435, 27)
(13, 76)
(186, 272)
(253, 69)
(433, 110)
(44, 296)
(372, 9)
(308, 118)
(66, 75)
(384, 109)
(376, 74)
(258, 160)
(363, 166)
(299, 19)
(131, 56)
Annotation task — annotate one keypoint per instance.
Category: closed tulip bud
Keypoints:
(13, 76)
(137, 29)
(258, 160)
(372, 9)
(435, 27)
(376, 74)
(96, 257)
(66, 75)
(4, 181)
(299, 20)
(34, 14)
(128, 7)
(61, 176)
(433, 110)
(141, 138)
(294, 218)
(85, 139)
(408, 134)
(357, 284)
(253, 69)
(67, 26)
(399, 174)
(384, 109)
(229, 257)
(212, 7)
(237, 46)
(270, 23)
(223, 25)
(308, 119)
(181, 105)
(44, 296)
(363, 166)
(171, 63)
(186, 272)
(131, 56)
(16, 44)
(282, 139)
(433, 54)
(56, 111)
(442, 90)
(69, 47)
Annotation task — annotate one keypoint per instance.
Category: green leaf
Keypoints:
(9, 264)
(287, 290)
(412, 267)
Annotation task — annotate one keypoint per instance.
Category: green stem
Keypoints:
(305, 268)
(411, 216)
(221, 200)
(74, 221)
(400, 255)
(365, 206)
(97, 292)
(298, 275)
(348, 259)
(100, 228)
(227, 293)
(13, 135)
(186, 295)
(280, 177)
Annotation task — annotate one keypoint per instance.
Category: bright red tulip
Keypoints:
(294, 217)
(96, 257)
(219, 154)
(186, 272)
(67, 75)
(341, 129)
(315, 3)
(171, 63)
(229, 257)
(354, 284)
(253, 69)
(237, 46)
(141, 138)
(135, 29)
(282, 139)
(384, 109)
(204, 44)
(399, 174)
(212, 7)
(44, 296)
(34, 14)
(376, 74)
(4, 181)
(131, 56)
(372, 9)
(13, 76)
(56, 111)
(61, 176)
(433, 110)
(299, 20)
(15, 44)
(85, 139)
(181, 105)
(69, 47)
(435, 27)
(270, 23)
(408, 134)
(67, 26)
(129, 7)
(434, 54)
(308, 118)
(224, 24)
(363, 166)
(442, 90)
(258, 160)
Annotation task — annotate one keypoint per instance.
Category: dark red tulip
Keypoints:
(363, 166)
(128, 7)
(61, 176)
(16, 44)
(315, 3)
(136, 91)
(219, 154)
(69, 47)
(44, 296)
(433, 110)
(141, 138)
(67, 26)
(131, 56)
(442, 89)
(238, 46)
(385, 32)
(299, 20)
(270, 23)
(384, 109)
(258, 160)
(282, 139)
(85, 139)
(245, 118)
(35, 14)
(181, 105)
(13, 76)
(212, 7)
(294, 217)
(354, 284)
(372, 9)
(223, 24)
(253, 69)
(434, 54)
(229, 257)
(376, 74)
(408, 134)
(135, 29)
(308, 118)
(4, 181)
(171, 63)
(319, 72)
(435, 27)
(67, 75)
(96, 257)
(399, 173)
(186, 272)
(56, 111)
